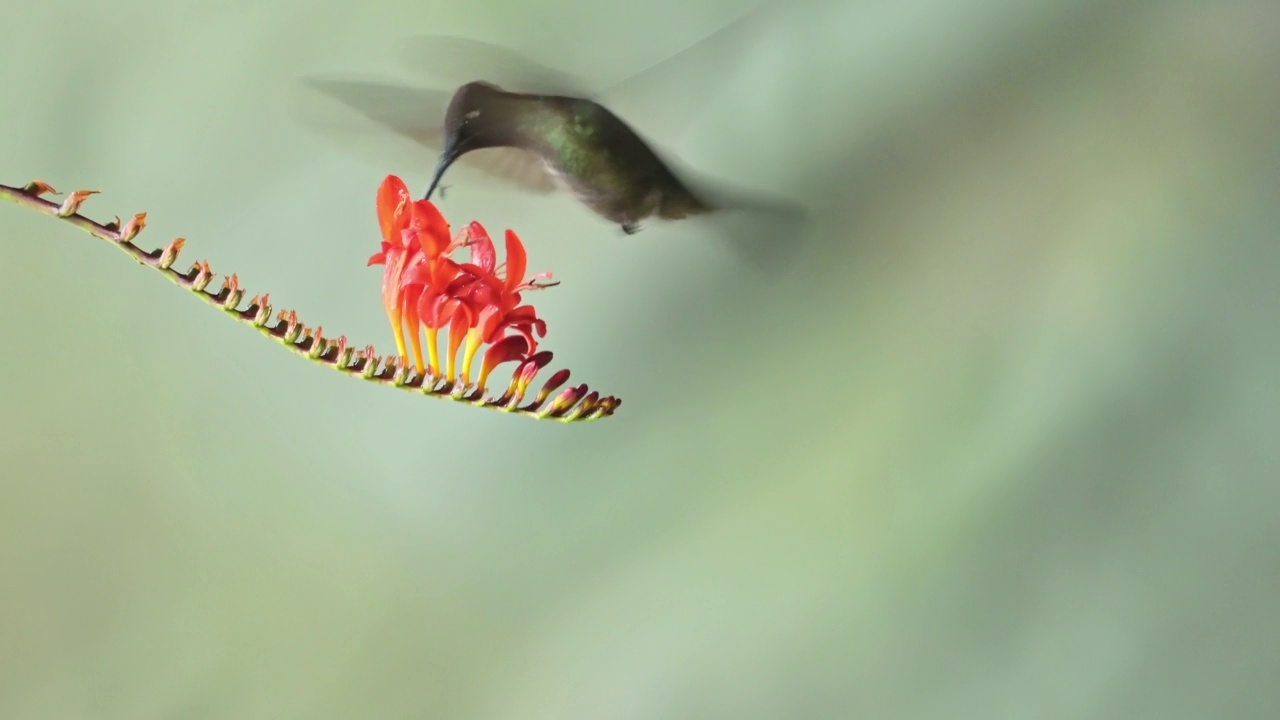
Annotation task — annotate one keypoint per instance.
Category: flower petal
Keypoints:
(550, 386)
(512, 347)
(457, 333)
(409, 302)
(433, 230)
(483, 255)
(431, 308)
(393, 198)
(489, 323)
(391, 279)
(418, 273)
(516, 261)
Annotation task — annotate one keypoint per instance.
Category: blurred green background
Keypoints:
(994, 446)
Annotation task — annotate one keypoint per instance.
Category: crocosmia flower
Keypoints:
(476, 302)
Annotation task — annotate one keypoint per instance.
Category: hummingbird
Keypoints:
(581, 145)
(551, 134)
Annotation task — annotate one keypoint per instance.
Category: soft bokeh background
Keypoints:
(997, 445)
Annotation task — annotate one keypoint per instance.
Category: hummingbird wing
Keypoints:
(453, 61)
(418, 113)
(520, 168)
(765, 230)
(415, 113)
(763, 227)
(665, 97)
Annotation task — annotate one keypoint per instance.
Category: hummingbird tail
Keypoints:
(767, 232)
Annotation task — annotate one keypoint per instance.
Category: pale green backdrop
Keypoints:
(998, 445)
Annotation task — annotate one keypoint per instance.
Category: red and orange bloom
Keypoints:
(414, 236)
(491, 304)
(477, 303)
(421, 285)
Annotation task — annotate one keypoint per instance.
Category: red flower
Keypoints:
(474, 299)
(492, 303)
(421, 284)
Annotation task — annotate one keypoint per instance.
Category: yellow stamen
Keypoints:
(484, 376)
(397, 329)
(473, 344)
(416, 340)
(411, 320)
(433, 357)
(454, 342)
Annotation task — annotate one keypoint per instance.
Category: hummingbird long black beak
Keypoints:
(446, 159)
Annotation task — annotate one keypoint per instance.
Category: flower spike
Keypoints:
(476, 302)
(483, 306)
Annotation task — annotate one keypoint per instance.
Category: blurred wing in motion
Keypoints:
(418, 114)
(766, 230)
(453, 61)
(414, 113)
(660, 101)
(663, 99)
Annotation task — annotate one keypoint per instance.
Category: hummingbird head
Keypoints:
(474, 120)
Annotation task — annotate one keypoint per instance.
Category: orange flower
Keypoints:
(396, 212)
(415, 245)
(474, 300)
(492, 303)
(422, 285)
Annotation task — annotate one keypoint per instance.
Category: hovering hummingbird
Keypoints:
(551, 134)
(583, 147)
